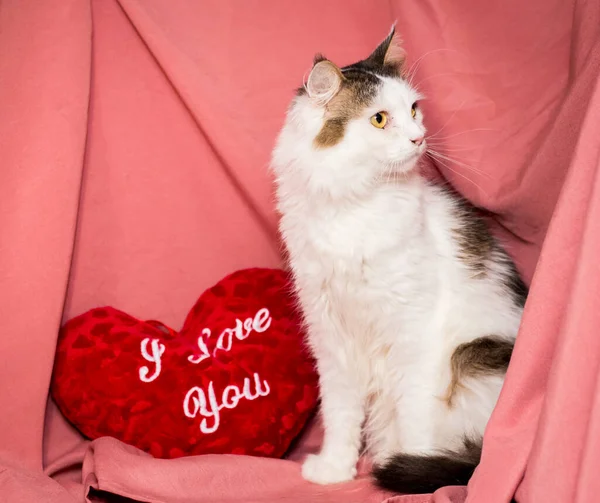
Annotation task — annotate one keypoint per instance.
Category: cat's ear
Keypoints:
(324, 81)
(389, 52)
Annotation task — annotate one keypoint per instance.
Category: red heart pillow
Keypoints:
(236, 378)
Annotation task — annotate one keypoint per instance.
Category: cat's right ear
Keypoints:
(324, 81)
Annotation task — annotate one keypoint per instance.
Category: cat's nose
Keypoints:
(417, 141)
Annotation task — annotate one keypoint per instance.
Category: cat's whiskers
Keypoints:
(412, 71)
(447, 166)
(418, 84)
(459, 162)
(435, 135)
(389, 173)
(443, 145)
(448, 121)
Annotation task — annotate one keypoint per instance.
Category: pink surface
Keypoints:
(133, 173)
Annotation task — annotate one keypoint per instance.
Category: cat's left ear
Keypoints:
(389, 52)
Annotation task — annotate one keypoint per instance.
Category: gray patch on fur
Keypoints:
(511, 279)
(360, 84)
(479, 248)
(488, 355)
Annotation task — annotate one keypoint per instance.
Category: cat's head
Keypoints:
(351, 128)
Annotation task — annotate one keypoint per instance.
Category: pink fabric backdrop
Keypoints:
(134, 142)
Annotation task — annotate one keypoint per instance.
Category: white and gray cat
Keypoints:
(412, 307)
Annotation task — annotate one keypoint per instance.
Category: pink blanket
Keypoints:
(134, 142)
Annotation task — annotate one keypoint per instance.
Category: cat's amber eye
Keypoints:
(379, 120)
(413, 110)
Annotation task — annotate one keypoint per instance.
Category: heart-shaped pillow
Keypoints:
(236, 379)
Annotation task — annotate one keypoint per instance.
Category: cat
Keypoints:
(411, 305)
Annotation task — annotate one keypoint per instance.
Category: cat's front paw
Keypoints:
(322, 470)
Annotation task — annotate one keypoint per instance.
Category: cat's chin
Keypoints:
(413, 158)
(404, 167)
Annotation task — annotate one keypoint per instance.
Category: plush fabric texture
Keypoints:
(135, 137)
(236, 379)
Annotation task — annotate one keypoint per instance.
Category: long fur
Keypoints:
(394, 276)
(416, 474)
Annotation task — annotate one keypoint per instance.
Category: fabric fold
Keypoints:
(133, 173)
(214, 478)
(45, 65)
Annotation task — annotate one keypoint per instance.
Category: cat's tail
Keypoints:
(424, 474)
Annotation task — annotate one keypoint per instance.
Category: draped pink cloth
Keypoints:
(134, 142)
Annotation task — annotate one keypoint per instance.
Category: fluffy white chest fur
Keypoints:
(388, 281)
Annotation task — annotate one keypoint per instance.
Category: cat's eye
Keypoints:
(413, 110)
(379, 120)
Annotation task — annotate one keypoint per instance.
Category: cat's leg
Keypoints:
(406, 417)
(385, 443)
(419, 411)
(381, 429)
(343, 411)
